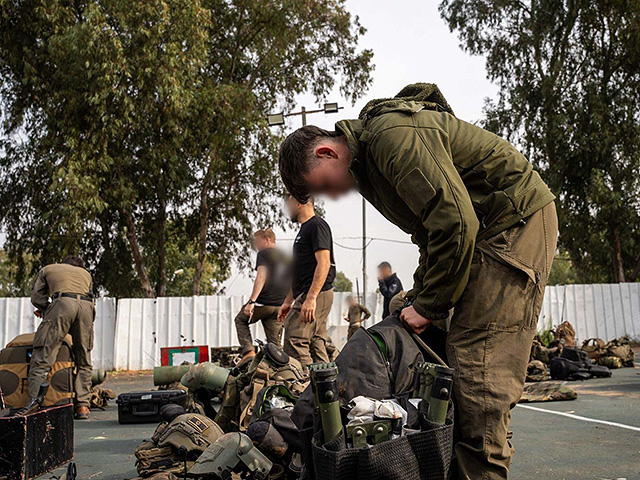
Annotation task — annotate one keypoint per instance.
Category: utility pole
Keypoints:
(364, 252)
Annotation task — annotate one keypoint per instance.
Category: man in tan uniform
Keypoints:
(355, 315)
(305, 329)
(71, 311)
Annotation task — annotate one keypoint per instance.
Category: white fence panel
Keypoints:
(130, 336)
(604, 311)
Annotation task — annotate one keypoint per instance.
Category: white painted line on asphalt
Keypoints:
(578, 417)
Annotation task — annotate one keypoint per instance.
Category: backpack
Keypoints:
(271, 366)
(575, 364)
(595, 347)
(14, 370)
(620, 348)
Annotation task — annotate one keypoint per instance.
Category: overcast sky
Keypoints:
(411, 43)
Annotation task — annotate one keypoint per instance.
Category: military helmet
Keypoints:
(190, 431)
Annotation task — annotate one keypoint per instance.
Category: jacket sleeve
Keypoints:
(416, 162)
(366, 312)
(40, 292)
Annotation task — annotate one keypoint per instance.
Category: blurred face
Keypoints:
(329, 174)
(261, 242)
(351, 301)
(384, 272)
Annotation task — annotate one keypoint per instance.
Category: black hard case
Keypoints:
(144, 407)
(36, 444)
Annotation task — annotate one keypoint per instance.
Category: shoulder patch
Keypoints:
(416, 190)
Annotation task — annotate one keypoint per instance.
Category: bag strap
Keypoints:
(258, 382)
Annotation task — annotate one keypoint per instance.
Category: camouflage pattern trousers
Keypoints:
(64, 316)
(490, 339)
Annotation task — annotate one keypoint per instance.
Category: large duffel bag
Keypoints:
(379, 363)
(14, 371)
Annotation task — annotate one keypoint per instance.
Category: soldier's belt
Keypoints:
(72, 295)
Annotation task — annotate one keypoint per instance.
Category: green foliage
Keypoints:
(342, 283)
(569, 79)
(9, 274)
(562, 272)
(134, 131)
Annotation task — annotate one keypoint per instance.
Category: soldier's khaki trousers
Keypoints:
(309, 342)
(268, 315)
(490, 339)
(353, 328)
(64, 316)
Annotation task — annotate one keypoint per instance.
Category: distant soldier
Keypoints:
(269, 291)
(389, 284)
(355, 315)
(71, 311)
(305, 329)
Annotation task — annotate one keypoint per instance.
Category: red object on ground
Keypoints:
(176, 355)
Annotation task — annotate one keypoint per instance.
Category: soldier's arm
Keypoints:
(258, 284)
(416, 162)
(40, 292)
(366, 312)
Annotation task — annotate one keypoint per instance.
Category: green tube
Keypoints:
(98, 376)
(168, 375)
(207, 375)
(324, 379)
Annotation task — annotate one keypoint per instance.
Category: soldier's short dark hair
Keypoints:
(295, 158)
(74, 260)
(385, 265)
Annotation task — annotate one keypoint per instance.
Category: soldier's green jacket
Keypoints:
(446, 182)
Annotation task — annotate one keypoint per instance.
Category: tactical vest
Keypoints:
(14, 370)
(268, 368)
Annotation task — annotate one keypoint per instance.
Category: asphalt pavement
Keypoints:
(596, 436)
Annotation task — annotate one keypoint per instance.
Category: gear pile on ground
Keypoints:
(256, 399)
(100, 397)
(616, 353)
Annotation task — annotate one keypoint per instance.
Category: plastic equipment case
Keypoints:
(36, 444)
(144, 407)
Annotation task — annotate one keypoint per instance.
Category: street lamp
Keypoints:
(276, 119)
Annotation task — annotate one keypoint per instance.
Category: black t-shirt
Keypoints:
(276, 285)
(314, 235)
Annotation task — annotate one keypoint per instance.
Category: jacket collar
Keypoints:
(352, 130)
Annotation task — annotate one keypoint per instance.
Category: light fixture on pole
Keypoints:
(276, 119)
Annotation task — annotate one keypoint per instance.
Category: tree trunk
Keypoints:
(205, 212)
(616, 257)
(145, 284)
(161, 285)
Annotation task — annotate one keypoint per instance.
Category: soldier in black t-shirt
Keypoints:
(314, 269)
(269, 291)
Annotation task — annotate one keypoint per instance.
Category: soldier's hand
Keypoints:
(37, 313)
(283, 311)
(248, 309)
(412, 319)
(308, 310)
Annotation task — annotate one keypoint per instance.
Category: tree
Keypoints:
(562, 272)
(131, 127)
(9, 272)
(569, 78)
(342, 283)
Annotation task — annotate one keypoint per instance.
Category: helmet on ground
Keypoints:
(190, 431)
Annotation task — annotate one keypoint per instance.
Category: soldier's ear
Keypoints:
(325, 151)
